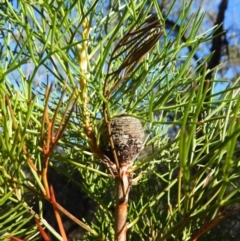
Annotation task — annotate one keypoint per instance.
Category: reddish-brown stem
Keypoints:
(42, 231)
(208, 225)
(14, 238)
(123, 188)
(57, 215)
(53, 137)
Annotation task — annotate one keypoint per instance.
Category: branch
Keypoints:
(217, 42)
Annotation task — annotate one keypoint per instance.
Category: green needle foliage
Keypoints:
(187, 183)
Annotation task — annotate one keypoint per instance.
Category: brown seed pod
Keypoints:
(128, 138)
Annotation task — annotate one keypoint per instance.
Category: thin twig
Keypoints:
(57, 215)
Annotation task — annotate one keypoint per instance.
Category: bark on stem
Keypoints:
(123, 188)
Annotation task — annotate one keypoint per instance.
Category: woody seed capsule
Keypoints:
(128, 137)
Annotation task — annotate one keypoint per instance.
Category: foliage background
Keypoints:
(190, 167)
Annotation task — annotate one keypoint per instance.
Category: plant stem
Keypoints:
(123, 189)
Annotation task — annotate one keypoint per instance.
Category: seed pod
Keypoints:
(128, 137)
